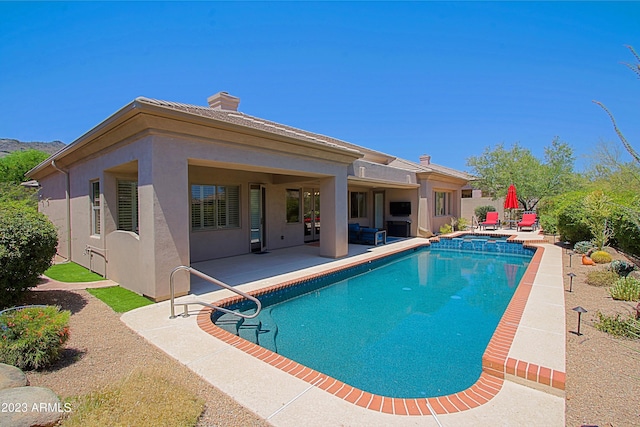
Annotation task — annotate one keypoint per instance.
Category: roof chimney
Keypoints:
(223, 101)
(425, 159)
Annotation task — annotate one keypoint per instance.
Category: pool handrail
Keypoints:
(210, 279)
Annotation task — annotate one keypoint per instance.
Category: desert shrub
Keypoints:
(481, 212)
(601, 257)
(597, 213)
(462, 224)
(622, 268)
(626, 289)
(28, 243)
(446, 229)
(32, 337)
(582, 247)
(618, 326)
(601, 278)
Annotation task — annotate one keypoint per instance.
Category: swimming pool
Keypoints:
(410, 325)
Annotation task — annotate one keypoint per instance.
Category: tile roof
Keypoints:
(242, 119)
(246, 120)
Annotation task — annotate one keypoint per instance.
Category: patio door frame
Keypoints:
(378, 210)
(257, 228)
(311, 227)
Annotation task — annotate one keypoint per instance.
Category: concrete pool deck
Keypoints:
(523, 396)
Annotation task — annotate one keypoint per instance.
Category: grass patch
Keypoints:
(72, 273)
(119, 299)
(141, 399)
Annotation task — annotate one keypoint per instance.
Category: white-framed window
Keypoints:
(128, 205)
(293, 206)
(358, 204)
(442, 203)
(95, 208)
(215, 206)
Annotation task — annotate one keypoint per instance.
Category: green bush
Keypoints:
(446, 229)
(601, 278)
(626, 289)
(28, 243)
(617, 326)
(582, 247)
(32, 337)
(565, 212)
(18, 195)
(626, 225)
(601, 257)
(549, 224)
(462, 224)
(481, 212)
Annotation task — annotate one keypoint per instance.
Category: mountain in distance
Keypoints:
(8, 146)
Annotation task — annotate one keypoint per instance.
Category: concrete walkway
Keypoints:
(285, 400)
(48, 284)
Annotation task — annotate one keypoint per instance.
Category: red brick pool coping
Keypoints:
(495, 362)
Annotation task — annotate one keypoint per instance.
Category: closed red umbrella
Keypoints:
(511, 202)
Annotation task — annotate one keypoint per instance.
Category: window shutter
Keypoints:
(208, 206)
(128, 206)
(95, 208)
(233, 206)
(215, 206)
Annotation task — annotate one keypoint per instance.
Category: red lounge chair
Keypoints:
(528, 220)
(492, 220)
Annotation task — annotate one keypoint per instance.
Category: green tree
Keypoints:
(12, 172)
(598, 211)
(632, 213)
(18, 195)
(14, 166)
(636, 69)
(534, 179)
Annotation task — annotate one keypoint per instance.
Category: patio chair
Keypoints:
(529, 219)
(492, 220)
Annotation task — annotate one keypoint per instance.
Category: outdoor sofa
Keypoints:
(366, 235)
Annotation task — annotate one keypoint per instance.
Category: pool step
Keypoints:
(251, 330)
(230, 323)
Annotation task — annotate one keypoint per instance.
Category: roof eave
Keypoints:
(139, 106)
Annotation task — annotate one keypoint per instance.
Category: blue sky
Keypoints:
(446, 79)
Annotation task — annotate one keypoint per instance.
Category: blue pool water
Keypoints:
(413, 326)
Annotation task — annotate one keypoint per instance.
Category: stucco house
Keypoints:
(160, 184)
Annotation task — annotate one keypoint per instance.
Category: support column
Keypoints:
(164, 219)
(424, 213)
(334, 216)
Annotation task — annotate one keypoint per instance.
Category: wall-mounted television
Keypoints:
(400, 208)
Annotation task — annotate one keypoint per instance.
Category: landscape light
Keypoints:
(571, 276)
(580, 310)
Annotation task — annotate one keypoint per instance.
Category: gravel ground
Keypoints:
(103, 350)
(603, 373)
